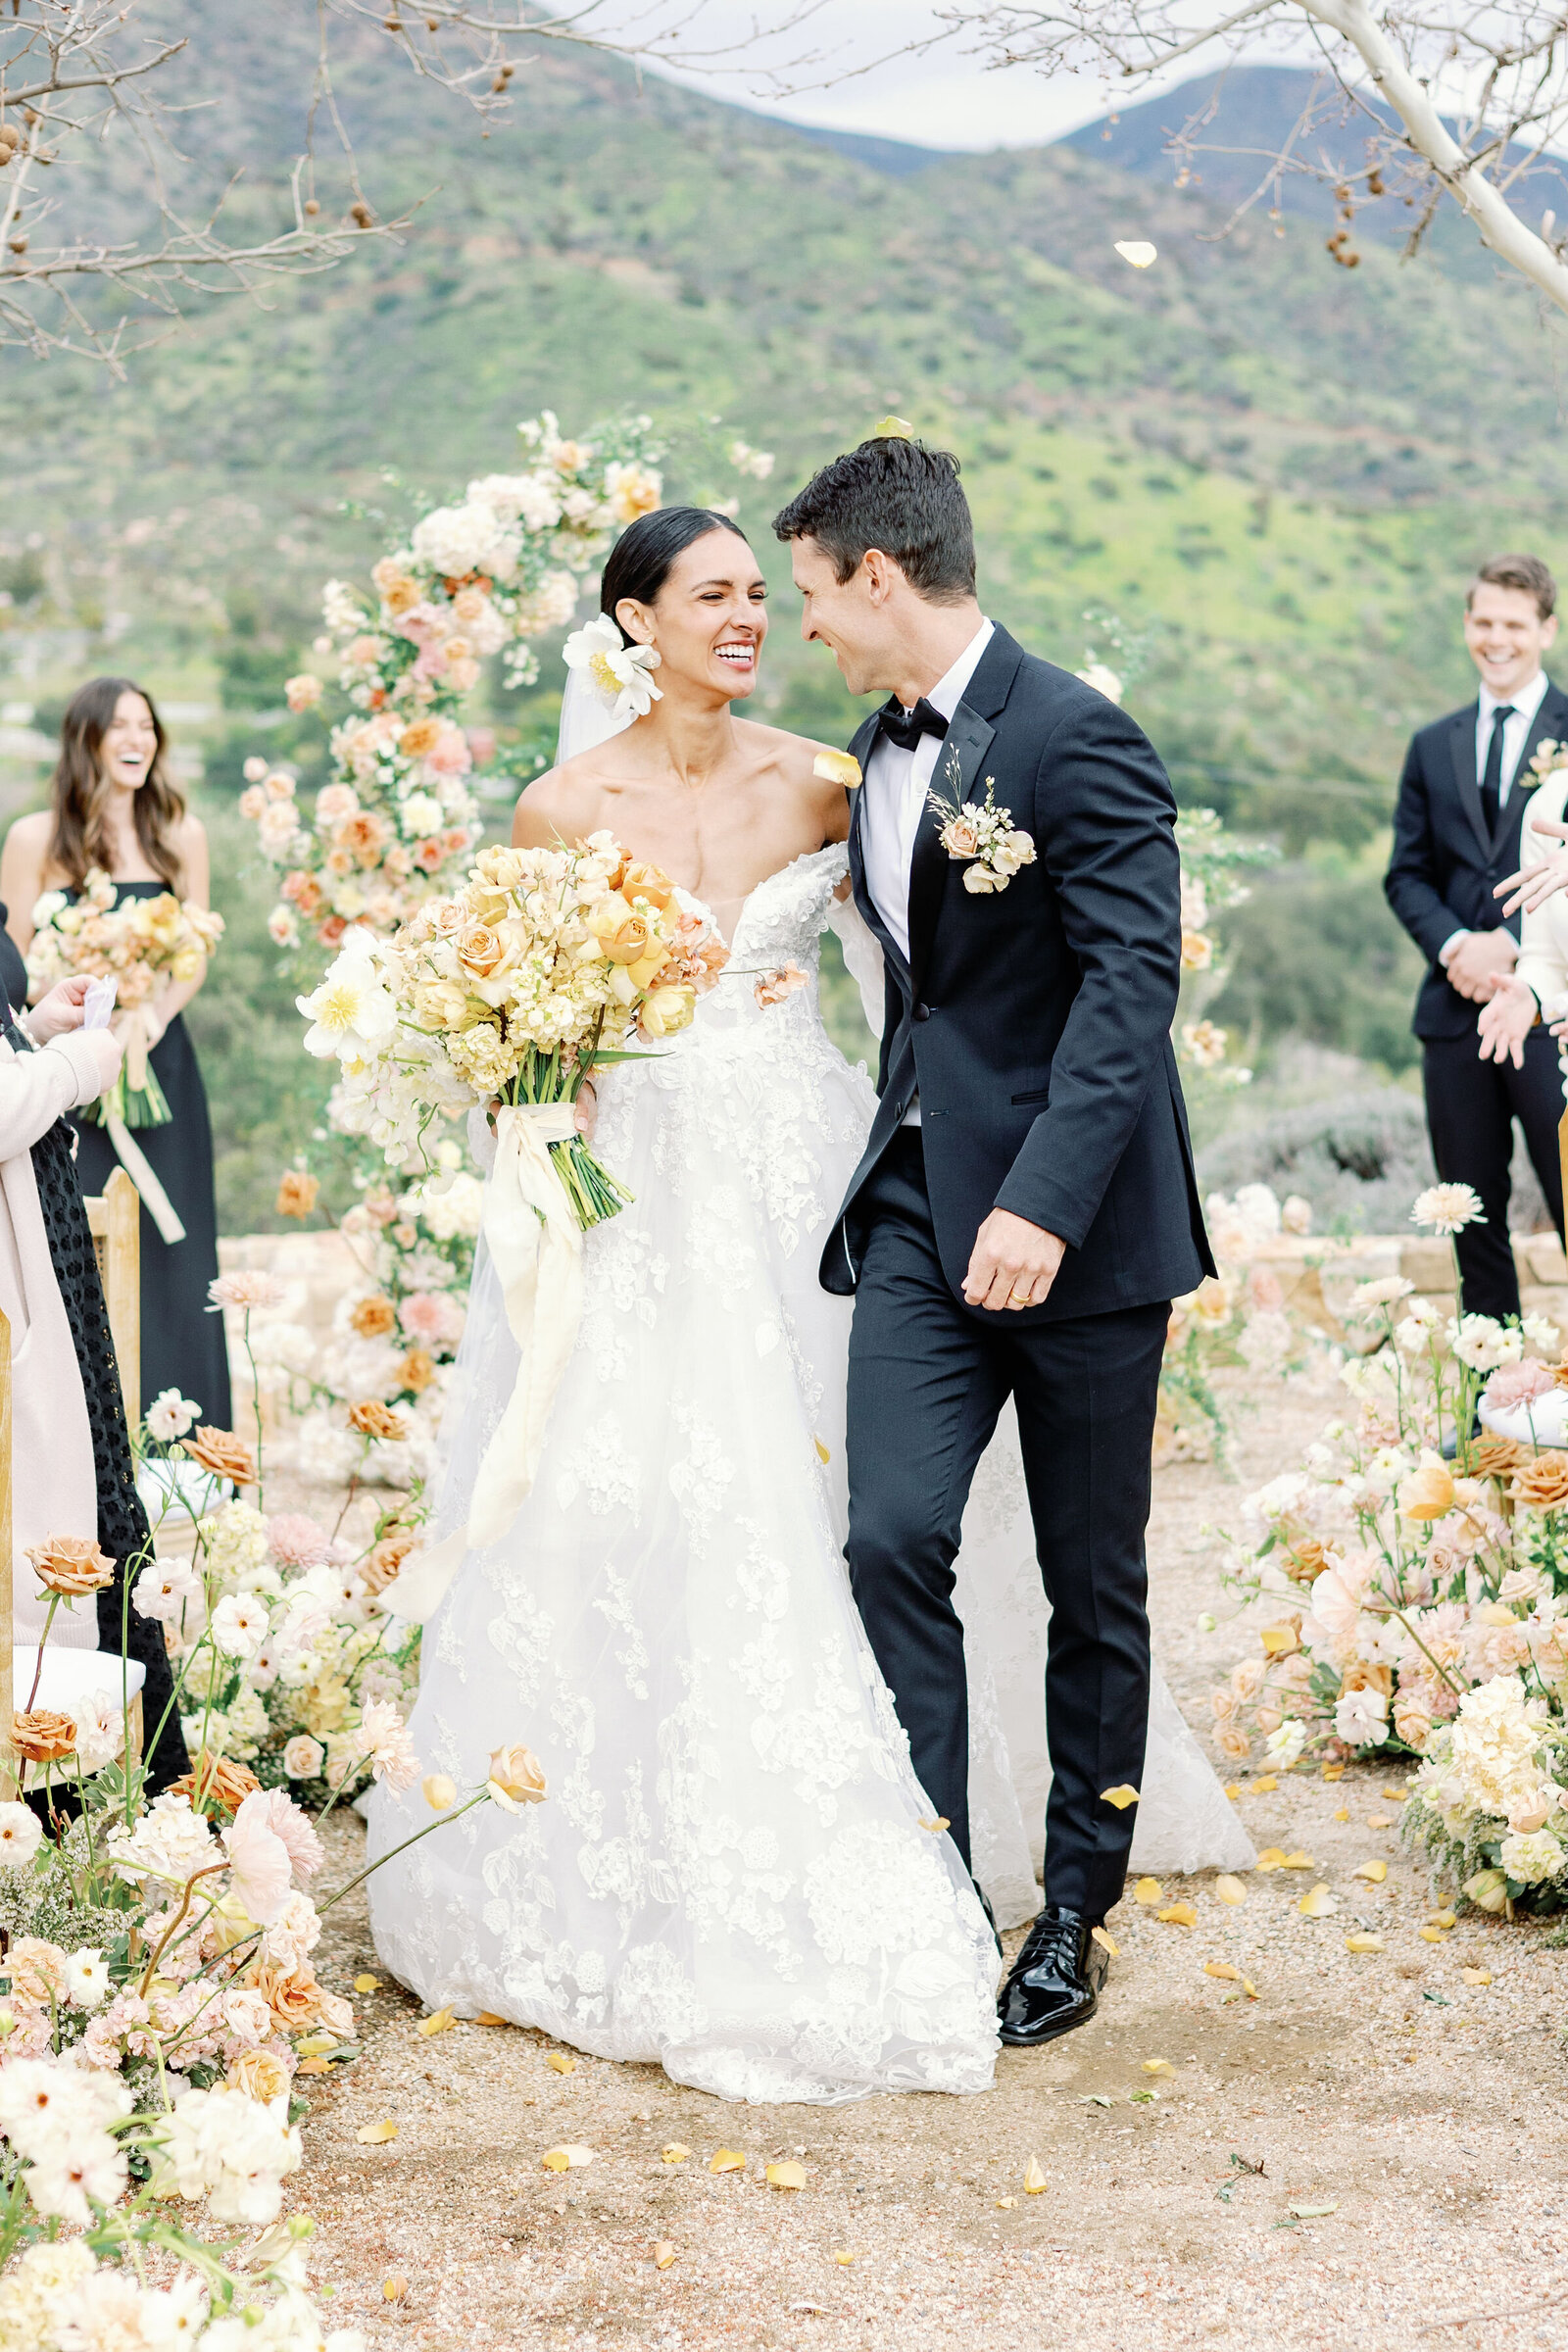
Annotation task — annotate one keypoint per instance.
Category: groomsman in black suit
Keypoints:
(1463, 799)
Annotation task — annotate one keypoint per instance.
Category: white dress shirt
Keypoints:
(1524, 705)
(893, 799)
(1515, 734)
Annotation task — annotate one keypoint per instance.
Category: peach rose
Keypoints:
(292, 1994)
(642, 881)
(518, 1773)
(420, 738)
(43, 1737)
(373, 1419)
(260, 2075)
(37, 1969)
(297, 1193)
(70, 1566)
(1233, 1742)
(1541, 1485)
(399, 594)
(220, 1451)
(480, 950)
(385, 1559)
(1497, 1458)
(417, 1370)
(372, 1318)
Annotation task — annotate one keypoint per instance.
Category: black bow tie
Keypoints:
(905, 728)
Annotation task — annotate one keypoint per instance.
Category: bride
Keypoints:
(735, 1872)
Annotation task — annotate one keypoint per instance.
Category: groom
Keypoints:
(1026, 1207)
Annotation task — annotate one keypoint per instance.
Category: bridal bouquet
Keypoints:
(509, 993)
(141, 946)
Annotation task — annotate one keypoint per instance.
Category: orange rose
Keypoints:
(420, 738)
(641, 881)
(297, 1193)
(216, 1783)
(373, 1318)
(222, 1453)
(373, 1419)
(43, 1737)
(1307, 1560)
(417, 1370)
(70, 1566)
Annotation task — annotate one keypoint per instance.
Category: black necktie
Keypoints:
(905, 728)
(1492, 782)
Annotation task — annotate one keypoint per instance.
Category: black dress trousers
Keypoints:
(1471, 1108)
(928, 1378)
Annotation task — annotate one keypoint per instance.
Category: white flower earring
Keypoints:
(620, 672)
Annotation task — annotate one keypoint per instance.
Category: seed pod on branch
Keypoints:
(361, 213)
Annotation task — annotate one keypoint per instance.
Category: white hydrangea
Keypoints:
(1491, 1765)
(168, 1845)
(36, 2288)
(233, 1541)
(472, 537)
(1529, 1856)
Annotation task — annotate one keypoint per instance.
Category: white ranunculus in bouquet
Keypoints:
(142, 946)
(509, 994)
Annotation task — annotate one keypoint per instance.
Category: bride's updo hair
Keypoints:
(641, 560)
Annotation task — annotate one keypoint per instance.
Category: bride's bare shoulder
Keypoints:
(794, 759)
(563, 803)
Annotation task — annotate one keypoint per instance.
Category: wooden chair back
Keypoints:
(113, 1219)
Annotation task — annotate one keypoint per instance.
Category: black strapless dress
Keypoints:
(182, 1342)
(122, 1529)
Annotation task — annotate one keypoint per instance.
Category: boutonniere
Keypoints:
(1548, 759)
(983, 838)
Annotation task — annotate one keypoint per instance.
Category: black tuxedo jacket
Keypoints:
(1445, 865)
(1034, 1023)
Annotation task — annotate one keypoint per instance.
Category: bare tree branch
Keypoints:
(1462, 98)
(78, 79)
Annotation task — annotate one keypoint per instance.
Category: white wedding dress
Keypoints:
(735, 1872)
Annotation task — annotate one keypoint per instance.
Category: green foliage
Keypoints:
(1315, 952)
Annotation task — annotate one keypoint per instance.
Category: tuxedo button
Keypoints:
(922, 1012)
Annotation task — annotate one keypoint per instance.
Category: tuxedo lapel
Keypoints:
(1462, 750)
(958, 764)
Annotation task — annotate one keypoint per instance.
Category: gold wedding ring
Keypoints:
(1018, 1297)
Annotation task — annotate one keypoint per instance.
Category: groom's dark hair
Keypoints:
(900, 497)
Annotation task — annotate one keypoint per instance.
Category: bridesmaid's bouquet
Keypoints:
(143, 946)
(509, 993)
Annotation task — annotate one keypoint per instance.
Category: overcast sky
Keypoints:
(840, 67)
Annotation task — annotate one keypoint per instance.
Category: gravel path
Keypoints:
(1367, 2155)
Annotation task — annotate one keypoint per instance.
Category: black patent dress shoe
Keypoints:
(1056, 1980)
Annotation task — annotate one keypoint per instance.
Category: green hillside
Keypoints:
(1279, 470)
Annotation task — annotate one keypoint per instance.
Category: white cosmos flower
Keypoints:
(172, 1415)
(353, 1011)
(88, 1977)
(239, 1625)
(20, 1834)
(618, 671)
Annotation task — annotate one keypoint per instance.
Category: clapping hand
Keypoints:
(1533, 885)
(1506, 1020)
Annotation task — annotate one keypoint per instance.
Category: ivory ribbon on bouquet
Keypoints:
(536, 1246)
(154, 1199)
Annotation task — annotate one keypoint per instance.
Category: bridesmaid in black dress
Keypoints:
(120, 1519)
(112, 806)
